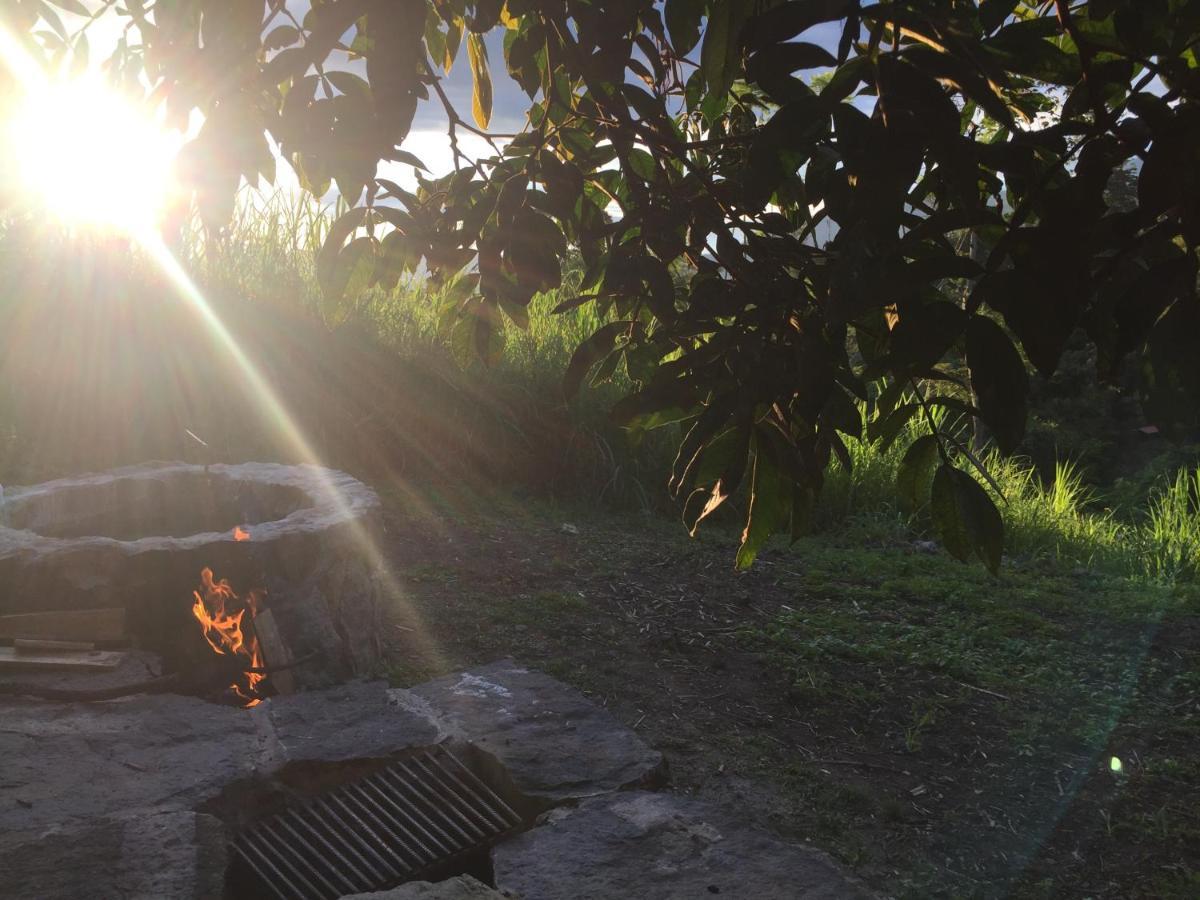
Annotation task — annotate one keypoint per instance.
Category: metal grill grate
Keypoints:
(377, 832)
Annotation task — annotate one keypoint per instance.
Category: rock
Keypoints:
(464, 887)
(352, 721)
(137, 538)
(553, 742)
(71, 763)
(661, 847)
(142, 856)
(80, 761)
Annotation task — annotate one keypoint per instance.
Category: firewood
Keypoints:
(39, 645)
(66, 625)
(12, 658)
(275, 652)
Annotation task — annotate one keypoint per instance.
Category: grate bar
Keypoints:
(429, 795)
(419, 803)
(309, 854)
(505, 816)
(285, 854)
(350, 840)
(387, 798)
(354, 874)
(382, 830)
(418, 852)
(461, 810)
(447, 845)
(280, 884)
(471, 802)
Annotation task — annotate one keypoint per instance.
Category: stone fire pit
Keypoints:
(138, 537)
(148, 794)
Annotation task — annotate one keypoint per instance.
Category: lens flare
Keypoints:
(87, 155)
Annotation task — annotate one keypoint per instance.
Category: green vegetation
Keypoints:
(266, 256)
(960, 187)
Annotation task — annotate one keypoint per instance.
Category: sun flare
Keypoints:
(89, 156)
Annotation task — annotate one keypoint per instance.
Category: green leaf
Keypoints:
(887, 428)
(341, 229)
(536, 250)
(915, 472)
(1000, 381)
(719, 52)
(71, 6)
(589, 353)
(481, 78)
(283, 36)
(965, 517)
(770, 506)
(403, 156)
(352, 274)
(683, 23)
(719, 473)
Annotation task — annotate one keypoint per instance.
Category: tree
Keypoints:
(672, 137)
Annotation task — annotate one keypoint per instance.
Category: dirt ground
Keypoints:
(941, 733)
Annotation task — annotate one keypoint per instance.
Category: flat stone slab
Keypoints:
(358, 720)
(553, 742)
(138, 857)
(661, 847)
(80, 761)
(464, 887)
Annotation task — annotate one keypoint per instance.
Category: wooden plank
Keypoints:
(275, 652)
(11, 658)
(66, 625)
(38, 645)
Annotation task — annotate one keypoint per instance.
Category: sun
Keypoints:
(89, 156)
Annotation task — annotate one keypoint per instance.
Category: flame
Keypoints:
(223, 628)
(240, 534)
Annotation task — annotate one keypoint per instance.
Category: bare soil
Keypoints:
(830, 690)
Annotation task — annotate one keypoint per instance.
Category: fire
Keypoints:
(240, 534)
(223, 628)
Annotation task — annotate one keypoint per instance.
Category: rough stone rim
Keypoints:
(335, 498)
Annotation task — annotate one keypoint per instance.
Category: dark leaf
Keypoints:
(282, 36)
(965, 517)
(589, 353)
(770, 506)
(719, 51)
(999, 379)
(785, 21)
(992, 13)
(924, 333)
(718, 474)
(683, 23)
(915, 473)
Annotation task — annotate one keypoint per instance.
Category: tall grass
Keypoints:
(1062, 519)
(1172, 528)
(267, 254)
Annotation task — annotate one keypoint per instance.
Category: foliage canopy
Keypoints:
(769, 255)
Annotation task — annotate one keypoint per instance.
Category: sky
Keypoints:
(428, 138)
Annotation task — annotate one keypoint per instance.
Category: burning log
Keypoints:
(222, 622)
